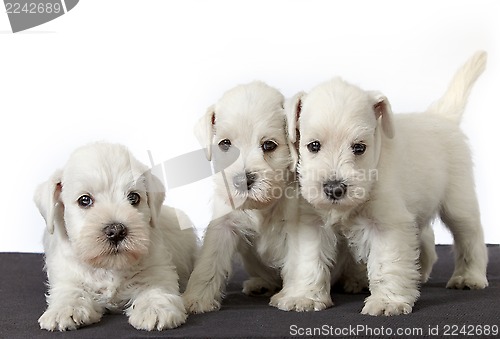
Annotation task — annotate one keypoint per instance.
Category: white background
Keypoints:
(142, 72)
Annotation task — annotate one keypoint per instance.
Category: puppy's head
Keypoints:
(104, 203)
(340, 129)
(248, 119)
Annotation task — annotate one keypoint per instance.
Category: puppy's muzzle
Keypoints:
(115, 232)
(335, 189)
(243, 182)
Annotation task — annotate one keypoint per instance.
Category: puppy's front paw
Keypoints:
(382, 306)
(68, 317)
(468, 281)
(200, 304)
(256, 286)
(300, 303)
(160, 313)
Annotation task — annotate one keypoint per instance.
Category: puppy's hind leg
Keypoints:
(264, 280)
(354, 276)
(428, 256)
(460, 213)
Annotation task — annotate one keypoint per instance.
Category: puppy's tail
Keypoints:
(452, 104)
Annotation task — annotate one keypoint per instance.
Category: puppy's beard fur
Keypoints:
(93, 247)
(358, 186)
(265, 191)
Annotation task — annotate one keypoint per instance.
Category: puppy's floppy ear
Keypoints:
(47, 199)
(156, 195)
(292, 113)
(382, 109)
(204, 131)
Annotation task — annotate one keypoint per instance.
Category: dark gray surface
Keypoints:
(22, 302)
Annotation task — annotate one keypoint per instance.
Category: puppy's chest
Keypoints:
(271, 242)
(109, 289)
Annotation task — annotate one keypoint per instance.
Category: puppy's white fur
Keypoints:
(87, 273)
(415, 166)
(265, 221)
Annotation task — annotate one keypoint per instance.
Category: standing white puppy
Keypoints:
(109, 244)
(381, 179)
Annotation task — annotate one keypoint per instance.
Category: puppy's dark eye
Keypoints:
(269, 146)
(224, 145)
(358, 148)
(134, 198)
(314, 146)
(85, 201)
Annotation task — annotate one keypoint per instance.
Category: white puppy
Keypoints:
(109, 244)
(247, 124)
(381, 179)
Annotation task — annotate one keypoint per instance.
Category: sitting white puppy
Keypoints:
(109, 244)
(381, 179)
(247, 124)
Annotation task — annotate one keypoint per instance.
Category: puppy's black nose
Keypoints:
(245, 181)
(115, 232)
(334, 189)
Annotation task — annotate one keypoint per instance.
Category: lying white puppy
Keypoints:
(110, 245)
(381, 179)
